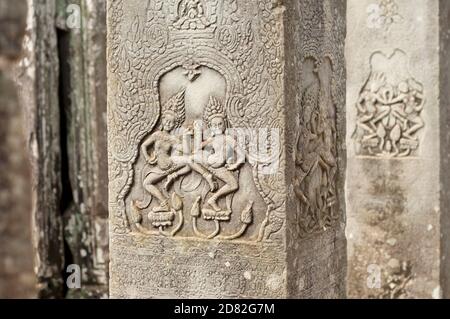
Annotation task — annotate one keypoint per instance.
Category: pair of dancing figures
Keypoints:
(216, 158)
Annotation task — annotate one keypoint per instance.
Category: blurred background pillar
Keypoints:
(62, 80)
(37, 76)
(16, 264)
(81, 29)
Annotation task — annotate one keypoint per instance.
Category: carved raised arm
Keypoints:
(241, 155)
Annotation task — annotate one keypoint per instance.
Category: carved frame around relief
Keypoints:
(193, 35)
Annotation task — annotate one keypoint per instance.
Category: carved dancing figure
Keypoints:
(164, 144)
(315, 159)
(369, 106)
(327, 130)
(217, 153)
(306, 156)
(409, 96)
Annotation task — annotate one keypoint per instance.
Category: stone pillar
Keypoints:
(62, 80)
(82, 51)
(38, 80)
(398, 183)
(226, 131)
(16, 265)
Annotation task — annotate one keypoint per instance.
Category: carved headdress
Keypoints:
(214, 109)
(175, 107)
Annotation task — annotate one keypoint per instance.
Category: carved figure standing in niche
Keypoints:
(306, 182)
(160, 162)
(327, 131)
(314, 182)
(191, 15)
(217, 153)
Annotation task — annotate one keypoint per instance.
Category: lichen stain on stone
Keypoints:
(383, 226)
(388, 201)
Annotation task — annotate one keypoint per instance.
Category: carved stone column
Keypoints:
(226, 131)
(398, 183)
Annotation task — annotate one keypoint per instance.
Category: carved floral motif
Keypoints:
(384, 15)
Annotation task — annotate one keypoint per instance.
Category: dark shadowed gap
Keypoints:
(64, 107)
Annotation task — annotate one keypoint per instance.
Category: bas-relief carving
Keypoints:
(217, 65)
(315, 160)
(321, 101)
(383, 15)
(190, 166)
(186, 75)
(389, 109)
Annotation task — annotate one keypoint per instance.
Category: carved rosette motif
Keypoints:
(389, 109)
(383, 15)
(156, 64)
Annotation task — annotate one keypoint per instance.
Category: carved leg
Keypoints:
(154, 191)
(183, 170)
(380, 117)
(206, 175)
(364, 123)
(231, 185)
(418, 124)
